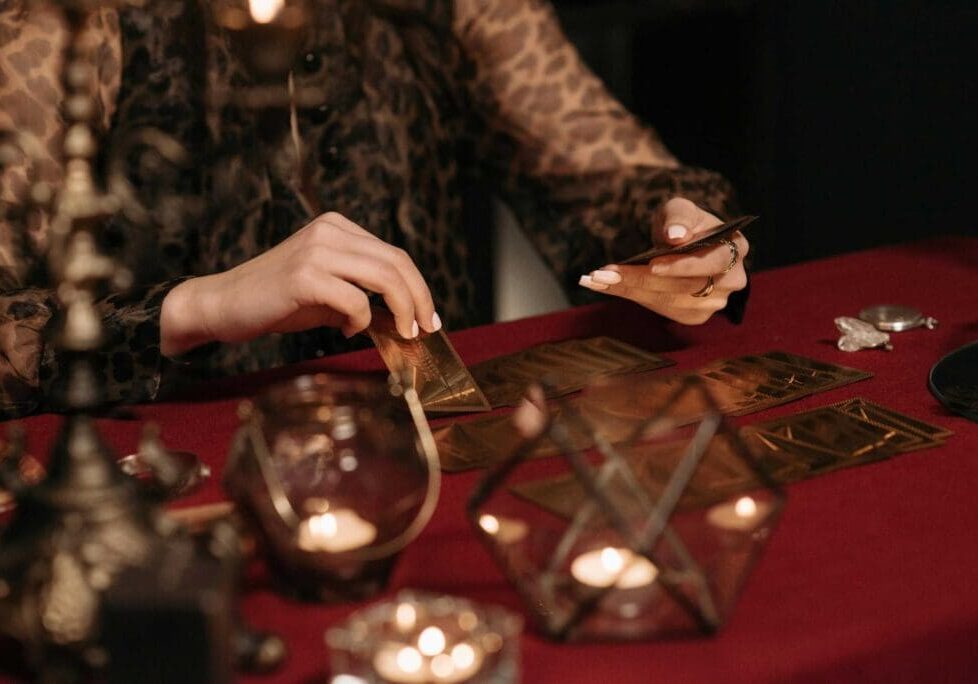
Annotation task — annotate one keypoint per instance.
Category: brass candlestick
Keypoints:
(86, 523)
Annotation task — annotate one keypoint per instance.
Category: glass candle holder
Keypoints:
(266, 34)
(423, 637)
(337, 474)
(650, 535)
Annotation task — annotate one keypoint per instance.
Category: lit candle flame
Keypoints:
(611, 559)
(405, 616)
(489, 523)
(265, 11)
(431, 641)
(335, 532)
(323, 525)
(463, 656)
(442, 666)
(409, 660)
(613, 566)
(745, 507)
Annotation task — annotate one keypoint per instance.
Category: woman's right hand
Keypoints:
(317, 277)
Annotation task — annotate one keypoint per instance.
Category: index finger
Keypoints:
(418, 290)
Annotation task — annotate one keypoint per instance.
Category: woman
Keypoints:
(281, 221)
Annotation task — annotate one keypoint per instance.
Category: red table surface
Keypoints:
(873, 572)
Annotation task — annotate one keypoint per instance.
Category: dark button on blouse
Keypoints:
(312, 62)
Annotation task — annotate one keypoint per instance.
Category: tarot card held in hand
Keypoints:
(714, 237)
(563, 367)
(442, 381)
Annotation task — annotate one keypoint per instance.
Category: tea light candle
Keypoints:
(421, 637)
(335, 532)
(611, 565)
(506, 530)
(742, 515)
(428, 659)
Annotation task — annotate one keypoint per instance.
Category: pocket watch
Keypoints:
(895, 318)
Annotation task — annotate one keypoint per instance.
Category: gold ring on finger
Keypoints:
(707, 289)
(734, 254)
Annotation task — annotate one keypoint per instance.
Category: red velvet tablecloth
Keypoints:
(873, 572)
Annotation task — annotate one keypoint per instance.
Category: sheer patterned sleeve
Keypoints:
(584, 175)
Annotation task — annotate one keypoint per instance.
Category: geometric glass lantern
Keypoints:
(642, 536)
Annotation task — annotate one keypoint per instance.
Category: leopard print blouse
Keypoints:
(415, 98)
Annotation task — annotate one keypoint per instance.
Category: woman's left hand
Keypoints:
(688, 288)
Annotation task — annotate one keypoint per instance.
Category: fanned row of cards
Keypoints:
(618, 405)
(445, 385)
(795, 447)
(561, 367)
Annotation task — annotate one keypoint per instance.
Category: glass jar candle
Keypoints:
(337, 474)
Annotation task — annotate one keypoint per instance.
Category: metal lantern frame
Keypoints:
(601, 501)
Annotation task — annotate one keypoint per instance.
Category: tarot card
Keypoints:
(718, 475)
(442, 381)
(564, 367)
(777, 458)
(841, 375)
(805, 456)
(832, 430)
(875, 413)
(486, 441)
(794, 377)
(721, 232)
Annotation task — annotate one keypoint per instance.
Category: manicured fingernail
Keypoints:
(436, 322)
(675, 232)
(586, 281)
(415, 329)
(606, 277)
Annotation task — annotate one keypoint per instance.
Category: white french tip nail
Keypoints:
(436, 322)
(415, 329)
(606, 277)
(676, 232)
(587, 282)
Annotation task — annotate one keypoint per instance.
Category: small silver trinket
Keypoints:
(858, 334)
(894, 318)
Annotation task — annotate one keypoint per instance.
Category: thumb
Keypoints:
(679, 222)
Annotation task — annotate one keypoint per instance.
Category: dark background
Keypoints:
(843, 124)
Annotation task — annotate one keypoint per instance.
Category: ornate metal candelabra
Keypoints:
(86, 524)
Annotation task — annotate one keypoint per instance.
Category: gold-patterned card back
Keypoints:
(480, 443)
(849, 433)
(563, 367)
(442, 381)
